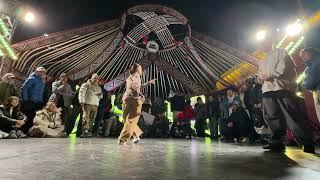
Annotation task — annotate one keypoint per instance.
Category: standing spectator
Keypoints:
(62, 95)
(7, 88)
(76, 113)
(11, 118)
(200, 114)
(311, 82)
(89, 96)
(280, 105)
(103, 104)
(253, 95)
(213, 114)
(177, 107)
(47, 122)
(32, 95)
(47, 91)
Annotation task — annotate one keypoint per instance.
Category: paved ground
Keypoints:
(97, 158)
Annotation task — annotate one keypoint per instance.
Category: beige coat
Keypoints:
(46, 124)
(280, 67)
(90, 93)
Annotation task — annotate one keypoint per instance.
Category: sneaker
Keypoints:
(12, 134)
(20, 134)
(309, 149)
(122, 143)
(235, 140)
(3, 134)
(136, 140)
(245, 140)
(63, 134)
(275, 147)
(85, 134)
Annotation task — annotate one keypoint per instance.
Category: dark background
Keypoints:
(234, 22)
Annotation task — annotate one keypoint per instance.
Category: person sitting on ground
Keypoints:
(47, 122)
(160, 126)
(238, 126)
(7, 88)
(200, 115)
(11, 118)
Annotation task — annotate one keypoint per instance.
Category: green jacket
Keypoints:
(7, 90)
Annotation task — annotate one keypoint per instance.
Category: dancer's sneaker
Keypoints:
(136, 140)
(122, 143)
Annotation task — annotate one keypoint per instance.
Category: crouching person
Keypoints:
(47, 122)
(11, 119)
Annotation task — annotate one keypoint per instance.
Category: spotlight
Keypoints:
(261, 35)
(29, 17)
(294, 29)
(45, 35)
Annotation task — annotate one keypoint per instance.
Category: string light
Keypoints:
(296, 45)
(7, 47)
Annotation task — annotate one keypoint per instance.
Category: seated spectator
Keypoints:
(7, 88)
(113, 127)
(11, 118)
(200, 115)
(47, 122)
(160, 126)
(238, 126)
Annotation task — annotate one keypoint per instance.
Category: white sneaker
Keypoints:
(136, 140)
(245, 140)
(3, 134)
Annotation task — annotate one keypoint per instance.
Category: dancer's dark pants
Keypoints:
(281, 109)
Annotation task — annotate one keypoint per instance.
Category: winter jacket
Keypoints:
(7, 90)
(200, 111)
(47, 119)
(177, 103)
(213, 108)
(226, 104)
(32, 89)
(312, 72)
(253, 95)
(90, 93)
(281, 70)
(62, 91)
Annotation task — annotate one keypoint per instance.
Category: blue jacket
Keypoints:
(32, 89)
(312, 79)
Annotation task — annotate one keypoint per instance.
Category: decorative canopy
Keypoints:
(157, 37)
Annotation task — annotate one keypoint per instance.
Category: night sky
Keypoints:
(231, 21)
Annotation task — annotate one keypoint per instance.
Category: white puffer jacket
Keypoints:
(90, 93)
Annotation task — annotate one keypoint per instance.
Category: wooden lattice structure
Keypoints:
(185, 60)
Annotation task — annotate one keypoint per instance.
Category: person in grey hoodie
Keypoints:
(280, 104)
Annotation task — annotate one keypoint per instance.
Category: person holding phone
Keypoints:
(132, 105)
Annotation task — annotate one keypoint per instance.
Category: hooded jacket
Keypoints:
(32, 89)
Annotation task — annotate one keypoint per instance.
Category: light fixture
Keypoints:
(261, 35)
(29, 17)
(294, 29)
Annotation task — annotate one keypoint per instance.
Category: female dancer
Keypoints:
(132, 104)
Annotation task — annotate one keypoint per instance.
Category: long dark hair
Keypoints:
(134, 68)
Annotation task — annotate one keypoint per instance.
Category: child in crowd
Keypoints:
(11, 119)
